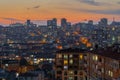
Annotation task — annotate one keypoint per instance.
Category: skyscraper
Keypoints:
(52, 22)
(90, 22)
(103, 22)
(28, 22)
(64, 22)
(49, 22)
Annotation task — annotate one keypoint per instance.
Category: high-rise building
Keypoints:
(49, 22)
(103, 22)
(28, 22)
(90, 22)
(64, 22)
(52, 22)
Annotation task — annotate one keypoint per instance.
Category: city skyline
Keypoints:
(73, 10)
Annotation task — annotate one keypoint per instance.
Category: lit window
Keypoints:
(111, 74)
(71, 56)
(65, 56)
(96, 58)
(108, 72)
(65, 67)
(59, 55)
(113, 28)
(81, 56)
(71, 61)
(65, 62)
(71, 73)
(70, 78)
(6, 65)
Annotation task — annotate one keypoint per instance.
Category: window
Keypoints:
(70, 78)
(110, 73)
(75, 72)
(95, 57)
(71, 61)
(102, 70)
(70, 56)
(65, 73)
(65, 67)
(75, 78)
(59, 72)
(100, 59)
(65, 78)
(65, 62)
(71, 73)
(65, 56)
(81, 56)
(59, 55)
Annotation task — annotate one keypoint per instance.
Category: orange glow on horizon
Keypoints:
(70, 17)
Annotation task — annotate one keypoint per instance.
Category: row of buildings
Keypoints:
(66, 34)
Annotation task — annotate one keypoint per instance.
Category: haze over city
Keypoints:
(73, 10)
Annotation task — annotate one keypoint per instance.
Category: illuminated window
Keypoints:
(81, 56)
(95, 57)
(113, 28)
(71, 73)
(59, 55)
(71, 61)
(110, 73)
(65, 62)
(65, 56)
(65, 67)
(70, 56)
(70, 78)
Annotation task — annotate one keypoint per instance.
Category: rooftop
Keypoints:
(71, 50)
(111, 52)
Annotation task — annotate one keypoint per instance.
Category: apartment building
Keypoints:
(77, 64)
(70, 65)
(104, 64)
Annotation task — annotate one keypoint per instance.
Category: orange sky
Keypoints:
(73, 10)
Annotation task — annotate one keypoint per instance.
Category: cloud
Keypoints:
(14, 19)
(118, 2)
(113, 12)
(92, 2)
(35, 7)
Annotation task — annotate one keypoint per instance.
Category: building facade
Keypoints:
(76, 64)
(70, 65)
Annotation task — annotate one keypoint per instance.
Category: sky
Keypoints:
(73, 10)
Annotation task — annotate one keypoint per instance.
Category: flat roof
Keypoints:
(110, 52)
(71, 50)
